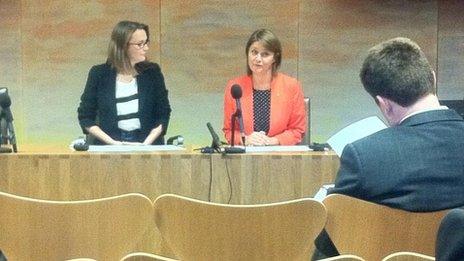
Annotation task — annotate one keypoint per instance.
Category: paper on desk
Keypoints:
(296, 148)
(322, 192)
(355, 131)
(133, 148)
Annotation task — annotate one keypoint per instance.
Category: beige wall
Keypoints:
(48, 47)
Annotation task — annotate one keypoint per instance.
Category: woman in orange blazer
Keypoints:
(272, 103)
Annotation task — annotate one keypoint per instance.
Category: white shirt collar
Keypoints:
(421, 111)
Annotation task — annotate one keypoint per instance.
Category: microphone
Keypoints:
(216, 144)
(236, 92)
(5, 103)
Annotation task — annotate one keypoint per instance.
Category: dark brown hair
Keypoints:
(270, 42)
(397, 69)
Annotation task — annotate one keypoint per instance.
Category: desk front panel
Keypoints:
(238, 179)
(77, 176)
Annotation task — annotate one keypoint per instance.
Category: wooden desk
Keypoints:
(266, 178)
(246, 178)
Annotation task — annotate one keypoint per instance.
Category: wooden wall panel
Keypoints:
(49, 47)
(10, 56)
(61, 41)
(203, 46)
(451, 49)
(334, 38)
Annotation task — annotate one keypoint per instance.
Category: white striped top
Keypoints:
(127, 105)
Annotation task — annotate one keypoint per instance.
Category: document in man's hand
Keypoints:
(354, 132)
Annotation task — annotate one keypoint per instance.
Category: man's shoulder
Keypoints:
(386, 136)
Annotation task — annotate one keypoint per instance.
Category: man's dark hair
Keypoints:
(397, 69)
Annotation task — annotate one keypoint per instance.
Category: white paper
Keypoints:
(297, 148)
(322, 193)
(354, 132)
(133, 148)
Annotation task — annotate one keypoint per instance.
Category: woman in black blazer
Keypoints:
(125, 100)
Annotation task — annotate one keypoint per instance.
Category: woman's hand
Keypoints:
(131, 143)
(260, 139)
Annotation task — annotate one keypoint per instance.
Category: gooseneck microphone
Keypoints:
(5, 103)
(216, 144)
(236, 92)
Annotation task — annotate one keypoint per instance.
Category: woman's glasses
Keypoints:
(140, 45)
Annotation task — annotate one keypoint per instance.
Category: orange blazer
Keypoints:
(288, 116)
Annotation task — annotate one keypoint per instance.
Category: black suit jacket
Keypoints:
(450, 239)
(415, 166)
(99, 101)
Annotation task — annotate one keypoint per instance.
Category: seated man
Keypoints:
(417, 163)
(450, 239)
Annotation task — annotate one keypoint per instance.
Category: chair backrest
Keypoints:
(198, 230)
(307, 136)
(140, 256)
(101, 229)
(407, 256)
(343, 258)
(373, 231)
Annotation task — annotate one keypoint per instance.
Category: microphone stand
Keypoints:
(7, 134)
(234, 118)
(12, 136)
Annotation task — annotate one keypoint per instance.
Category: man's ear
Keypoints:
(434, 82)
(384, 105)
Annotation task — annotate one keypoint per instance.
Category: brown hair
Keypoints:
(118, 57)
(397, 69)
(270, 42)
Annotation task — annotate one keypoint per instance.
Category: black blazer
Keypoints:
(99, 101)
(416, 166)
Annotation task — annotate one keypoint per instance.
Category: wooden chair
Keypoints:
(407, 256)
(100, 229)
(373, 231)
(343, 258)
(198, 230)
(81, 259)
(140, 256)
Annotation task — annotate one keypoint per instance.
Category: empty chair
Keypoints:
(100, 229)
(373, 231)
(140, 256)
(407, 256)
(198, 230)
(343, 258)
(81, 259)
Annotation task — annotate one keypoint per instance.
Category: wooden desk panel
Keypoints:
(74, 176)
(266, 178)
(254, 178)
